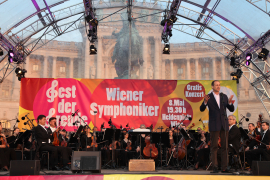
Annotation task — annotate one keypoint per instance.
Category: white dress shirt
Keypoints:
(231, 127)
(52, 129)
(46, 131)
(217, 97)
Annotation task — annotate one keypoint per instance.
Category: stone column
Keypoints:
(223, 68)
(106, 70)
(71, 67)
(99, 69)
(197, 69)
(214, 68)
(54, 67)
(171, 66)
(145, 51)
(87, 59)
(45, 67)
(157, 57)
(188, 69)
(163, 69)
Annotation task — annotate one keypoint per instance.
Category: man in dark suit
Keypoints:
(44, 143)
(261, 150)
(218, 123)
(234, 135)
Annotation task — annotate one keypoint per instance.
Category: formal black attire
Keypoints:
(6, 154)
(126, 155)
(44, 143)
(218, 126)
(254, 155)
(86, 141)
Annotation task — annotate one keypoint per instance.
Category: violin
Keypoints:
(129, 147)
(4, 141)
(94, 143)
(56, 141)
(63, 142)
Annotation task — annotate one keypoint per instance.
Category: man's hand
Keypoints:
(206, 98)
(247, 149)
(57, 130)
(138, 149)
(230, 99)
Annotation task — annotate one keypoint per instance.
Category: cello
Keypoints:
(150, 151)
(181, 153)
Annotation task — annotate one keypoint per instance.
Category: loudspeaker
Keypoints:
(24, 167)
(261, 168)
(86, 161)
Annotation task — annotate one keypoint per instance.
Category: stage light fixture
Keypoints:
(91, 20)
(237, 75)
(93, 50)
(10, 53)
(248, 56)
(20, 73)
(232, 63)
(166, 49)
(263, 54)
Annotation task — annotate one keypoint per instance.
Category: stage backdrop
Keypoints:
(127, 102)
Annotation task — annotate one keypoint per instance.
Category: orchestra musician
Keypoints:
(234, 137)
(252, 132)
(140, 140)
(202, 150)
(6, 153)
(258, 128)
(261, 149)
(86, 139)
(12, 139)
(126, 149)
(218, 124)
(44, 143)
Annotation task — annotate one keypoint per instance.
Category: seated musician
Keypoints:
(6, 153)
(253, 133)
(44, 143)
(86, 139)
(234, 138)
(192, 144)
(261, 149)
(258, 128)
(12, 140)
(172, 149)
(202, 151)
(126, 149)
(140, 140)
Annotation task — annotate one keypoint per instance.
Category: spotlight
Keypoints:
(1, 52)
(20, 73)
(263, 54)
(248, 56)
(93, 50)
(237, 75)
(91, 20)
(10, 53)
(232, 63)
(166, 49)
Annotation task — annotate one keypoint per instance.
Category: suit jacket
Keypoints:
(42, 136)
(217, 118)
(265, 140)
(234, 138)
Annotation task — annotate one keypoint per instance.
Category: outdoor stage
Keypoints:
(126, 175)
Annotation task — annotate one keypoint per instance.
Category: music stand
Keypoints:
(22, 138)
(245, 138)
(77, 134)
(186, 137)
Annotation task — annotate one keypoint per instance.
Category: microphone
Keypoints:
(127, 125)
(73, 114)
(76, 122)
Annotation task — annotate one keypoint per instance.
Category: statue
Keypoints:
(121, 51)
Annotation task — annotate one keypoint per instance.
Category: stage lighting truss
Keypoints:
(237, 75)
(168, 20)
(91, 20)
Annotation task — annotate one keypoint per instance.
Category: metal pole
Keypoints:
(129, 52)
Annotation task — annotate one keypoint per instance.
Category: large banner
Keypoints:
(127, 102)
